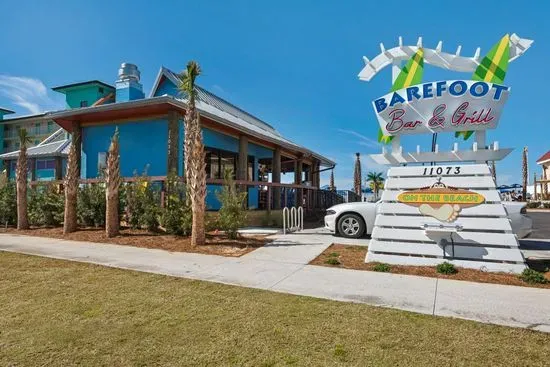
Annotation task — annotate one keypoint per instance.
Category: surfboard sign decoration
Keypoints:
(440, 201)
(458, 106)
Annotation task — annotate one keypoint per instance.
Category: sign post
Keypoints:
(450, 211)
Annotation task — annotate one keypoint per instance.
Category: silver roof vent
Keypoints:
(128, 72)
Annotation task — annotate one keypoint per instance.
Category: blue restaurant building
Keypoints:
(151, 130)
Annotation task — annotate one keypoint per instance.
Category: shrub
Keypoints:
(533, 204)
(446, 268)
(533, 276)
(546, 205)
(46, 205)
(8, 201)
(142, 203)
(177, 217)
(382, 267)
(232, 214)
(91, 204)
(332, 261)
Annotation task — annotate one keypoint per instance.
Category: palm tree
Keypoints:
(194, 156)
(525, 172)
(331, 186)
(71, 190)
(357, 175)
(112, 182)
(21, 181)
(376, 182)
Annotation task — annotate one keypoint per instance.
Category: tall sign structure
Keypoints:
(443, 205)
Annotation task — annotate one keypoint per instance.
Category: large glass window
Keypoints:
(228, 161)
(45, 164)
(217, 161)
(212, 164)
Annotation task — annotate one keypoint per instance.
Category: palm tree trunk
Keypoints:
(21, 184)
(71, 191)
(112, 181)
(196, 175)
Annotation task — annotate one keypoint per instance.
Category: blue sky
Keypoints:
(292, 63)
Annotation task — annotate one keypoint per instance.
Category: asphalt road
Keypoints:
(541, 225)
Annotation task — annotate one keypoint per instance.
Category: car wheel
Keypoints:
(351, 226)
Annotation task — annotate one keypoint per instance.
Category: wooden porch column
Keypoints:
(298, 165)
(58, 168)
(242, 167)
(315, 182)
(276, 177)
(77, 141)
(173, 142)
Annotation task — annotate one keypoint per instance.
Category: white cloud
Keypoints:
(363, 140)
(28, 93)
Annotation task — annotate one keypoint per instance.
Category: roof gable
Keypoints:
(167, 81)
(545, 157)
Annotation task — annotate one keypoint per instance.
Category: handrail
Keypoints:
(209, 181)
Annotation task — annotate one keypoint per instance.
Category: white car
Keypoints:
(354, 220)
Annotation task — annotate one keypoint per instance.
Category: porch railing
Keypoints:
(309, 197)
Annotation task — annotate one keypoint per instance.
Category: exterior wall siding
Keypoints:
(142, 144)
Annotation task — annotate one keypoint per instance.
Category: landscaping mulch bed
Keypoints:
(353, 257)
(216, 244)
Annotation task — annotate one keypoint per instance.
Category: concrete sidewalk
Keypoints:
(282, 266)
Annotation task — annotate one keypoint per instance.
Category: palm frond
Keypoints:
(24, 137)
(187, 79)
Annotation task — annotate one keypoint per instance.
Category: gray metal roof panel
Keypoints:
(50, 149)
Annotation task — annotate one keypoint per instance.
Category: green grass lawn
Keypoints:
(63, 313)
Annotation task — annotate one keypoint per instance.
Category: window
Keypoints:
(37, 128)
(101, 161)
(45, 164)
(50, 126)
(83, 103)
(250, 168)
(36, 142)
(217, 161)
(100, 90)
(228, 161)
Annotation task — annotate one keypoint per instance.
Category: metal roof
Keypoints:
(6, 111)
(79, 84)
(213, 105)
(54, 145)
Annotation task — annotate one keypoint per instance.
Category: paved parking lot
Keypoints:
(541, 225)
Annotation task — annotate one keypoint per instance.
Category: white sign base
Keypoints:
(480, 237)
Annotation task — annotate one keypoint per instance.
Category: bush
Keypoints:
(382, 267)
(142, 203)
(91, 205)
(46, 205)
(533, 204)
(332, 261)
(546, 205)
(533, 277)
(232, 214)
(446, 268)
(177, 217)
(8, 201)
